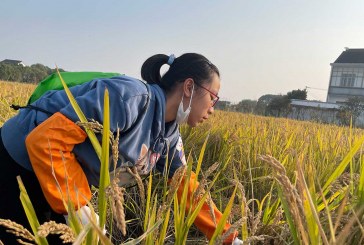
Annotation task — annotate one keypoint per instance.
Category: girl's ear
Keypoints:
(188, 85)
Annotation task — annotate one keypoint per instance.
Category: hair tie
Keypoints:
(171, 59)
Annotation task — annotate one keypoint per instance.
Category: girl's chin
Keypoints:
(192, 124)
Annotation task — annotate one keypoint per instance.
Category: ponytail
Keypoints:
(189, 65)
(151, 68)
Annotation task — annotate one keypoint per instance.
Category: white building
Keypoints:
(346, 79)
(324, 112)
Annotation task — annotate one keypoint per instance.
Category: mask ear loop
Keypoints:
(189, 105)
(193, 88)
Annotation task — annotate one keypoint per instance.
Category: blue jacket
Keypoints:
(136, 109)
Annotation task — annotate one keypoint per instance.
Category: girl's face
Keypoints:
(203, 100)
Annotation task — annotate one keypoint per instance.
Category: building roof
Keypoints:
(310, 103)
(351, 56)
(8, 61)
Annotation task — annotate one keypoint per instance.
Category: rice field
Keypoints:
(13, 93)
(279, 181)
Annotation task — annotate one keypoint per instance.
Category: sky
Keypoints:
(260, 47)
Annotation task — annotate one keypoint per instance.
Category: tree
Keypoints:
(4, 71)
(351, 110)
(278, 106)
(246, 106)
(29, 74)
(223, 105)
(40, 72)
(10, 72)
(297, 94)
(42, 68)
(263, 102)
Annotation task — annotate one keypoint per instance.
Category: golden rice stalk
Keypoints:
(104, 180)
(222, 221)
(94, 141)
(117, 204)
(134, 172)
(164, 209)
(244, 208)
(339, 215)
(163, 214)
(210, 203)
(96, 127)
(341, 238)
(161, 210)
(23, 242)
(51, 227)
(91, 125)
(312, 217)
(243, 196)
(200, 191)
(343, 181)
(211, 169)
(358, 221)
(230, 231)
(293, 199)
(173, 187)
(17, 229)
(260, 238)
(278, 216)
(115, 147)
(176, 182)
(256, 222)
(29, 211)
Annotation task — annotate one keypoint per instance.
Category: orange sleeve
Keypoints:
(50, 147)
(204, 221)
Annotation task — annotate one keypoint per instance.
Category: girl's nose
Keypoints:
(211, 110)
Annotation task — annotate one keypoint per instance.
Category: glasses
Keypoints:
(215, 98)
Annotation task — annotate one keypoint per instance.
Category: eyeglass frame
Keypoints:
(215, 100)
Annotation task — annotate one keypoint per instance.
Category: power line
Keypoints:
(314, 95)
(316, 88)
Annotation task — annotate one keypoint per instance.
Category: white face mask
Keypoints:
(182, 115)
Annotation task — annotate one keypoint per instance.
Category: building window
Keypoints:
(347, 80)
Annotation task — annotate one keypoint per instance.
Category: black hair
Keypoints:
(189, 65)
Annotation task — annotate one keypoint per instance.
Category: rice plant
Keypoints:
(280, 181)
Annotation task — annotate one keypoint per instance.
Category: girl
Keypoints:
(39, 146)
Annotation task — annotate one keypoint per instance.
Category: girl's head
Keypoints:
(188, 72)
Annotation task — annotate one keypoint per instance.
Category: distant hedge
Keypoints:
(27, 74)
